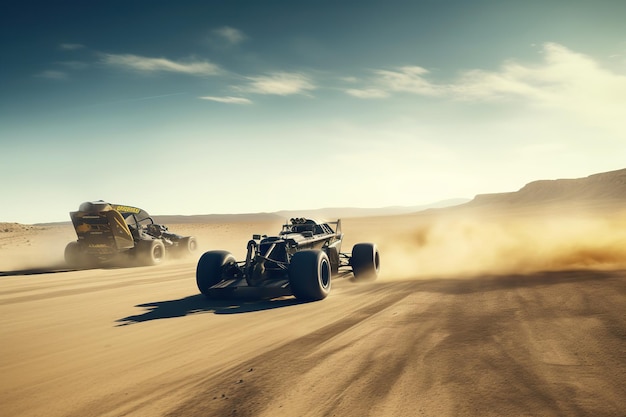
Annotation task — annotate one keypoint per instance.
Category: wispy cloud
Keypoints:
(279, 83)
(564, 80)
(367, 93)
(227, 100)
(71, 46)
(231, 35)
(151, 65)
(562, 72)
(52, 75)
(407, 79)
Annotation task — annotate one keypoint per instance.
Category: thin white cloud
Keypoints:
(71, 46)
(279, 83)
(565, 80)
(230, 35)
(52, 75)
(563, 71)
(150, 65)
(367, 93)
(227, 100)
(408, 79)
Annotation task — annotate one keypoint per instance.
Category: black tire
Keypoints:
(210, 269)
(151, 252)
(187, 246)
(74, 256)
(365, 261)
(310, 275)
(77, 258)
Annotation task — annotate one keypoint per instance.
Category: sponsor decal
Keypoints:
(126, 209)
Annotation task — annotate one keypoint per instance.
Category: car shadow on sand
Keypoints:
(52, 269)
(199, 304)
(61, 267)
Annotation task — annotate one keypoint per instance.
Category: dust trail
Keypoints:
(25, 246)
(467, 245)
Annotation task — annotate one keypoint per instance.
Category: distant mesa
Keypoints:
(603, 188)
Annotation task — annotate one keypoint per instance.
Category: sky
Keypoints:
(213, 107)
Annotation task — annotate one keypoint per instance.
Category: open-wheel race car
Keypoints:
(108, 233)
(301, 261)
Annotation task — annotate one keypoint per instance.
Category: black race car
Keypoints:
(300, 260)
(114, 232)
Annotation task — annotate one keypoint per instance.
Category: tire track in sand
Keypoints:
(240, 391)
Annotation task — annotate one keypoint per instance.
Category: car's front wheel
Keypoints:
(151, 252)
(211, 268)
(310, 275)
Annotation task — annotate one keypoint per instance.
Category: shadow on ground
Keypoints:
(52, 269)
(197, 304)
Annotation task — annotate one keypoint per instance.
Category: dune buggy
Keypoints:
(301, 261)
(111, 232)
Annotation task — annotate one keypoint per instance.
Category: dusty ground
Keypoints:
(478, 315)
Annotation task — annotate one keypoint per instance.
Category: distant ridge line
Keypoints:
(603, 187)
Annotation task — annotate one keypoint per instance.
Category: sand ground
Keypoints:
(472, 316)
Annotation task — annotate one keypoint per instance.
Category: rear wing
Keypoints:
(337, 226)
(102, 231)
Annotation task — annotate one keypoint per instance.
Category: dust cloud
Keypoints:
(469, 245)
(26, 247)
(453, 244)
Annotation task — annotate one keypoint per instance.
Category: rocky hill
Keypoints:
(603, 188)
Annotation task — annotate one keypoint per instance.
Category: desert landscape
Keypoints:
(511, 304)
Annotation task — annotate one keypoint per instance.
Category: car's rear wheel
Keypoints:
(365, 261)
(151, 252)
(211, 268)
(310, 275)
(75, 257)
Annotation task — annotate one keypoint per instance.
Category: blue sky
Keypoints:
(199, 107)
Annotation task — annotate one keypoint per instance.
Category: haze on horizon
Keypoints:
(243, 107)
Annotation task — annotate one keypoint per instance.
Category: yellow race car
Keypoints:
(108, 233)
